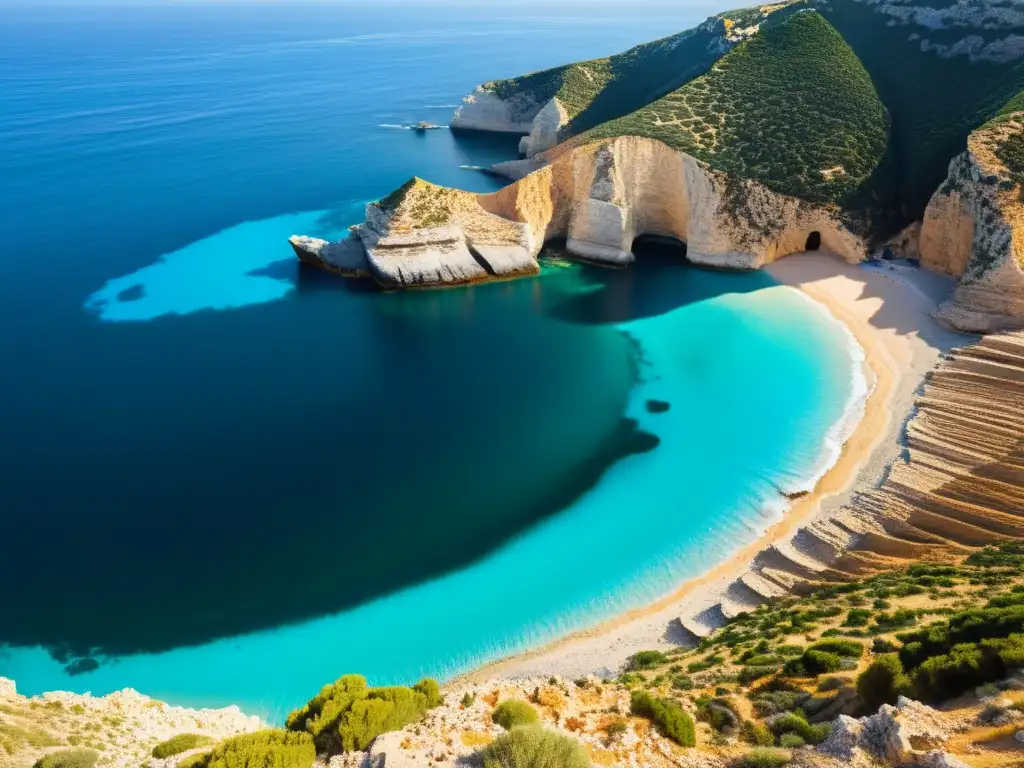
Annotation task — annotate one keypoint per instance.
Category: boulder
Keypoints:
(936, 759)
(843, 741)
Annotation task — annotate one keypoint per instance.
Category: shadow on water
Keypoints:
(660, 281)
(219, 473)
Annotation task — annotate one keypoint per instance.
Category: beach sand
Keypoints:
(888, 308)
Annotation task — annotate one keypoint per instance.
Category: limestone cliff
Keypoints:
(424, 235)
(483, 110)
(599, 198)
(974, 229)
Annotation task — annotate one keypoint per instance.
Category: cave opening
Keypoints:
(664, 248)
(813, 241)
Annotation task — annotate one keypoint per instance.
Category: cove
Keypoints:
(467, 393)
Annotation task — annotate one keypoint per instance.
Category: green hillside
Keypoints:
(599, 90)
(934, 102)
(793, 108)
(801, 107)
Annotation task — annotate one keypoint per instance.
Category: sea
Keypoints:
(226, 478)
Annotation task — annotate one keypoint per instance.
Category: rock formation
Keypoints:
(974, 229)
(345, 257)
(424, 235)
(599, 197)
(484, 110)
(126, 724)
(544, 129)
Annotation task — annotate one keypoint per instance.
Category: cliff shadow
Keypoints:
(660, 281)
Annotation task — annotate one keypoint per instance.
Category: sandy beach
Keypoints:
(887, 307)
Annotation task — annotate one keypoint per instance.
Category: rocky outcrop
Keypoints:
(973, 229)
(544, 129)
(127, 725)
(344, 257)
(484, 110)
(424, 235)
(895, 735)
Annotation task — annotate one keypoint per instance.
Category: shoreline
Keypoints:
(894, 363)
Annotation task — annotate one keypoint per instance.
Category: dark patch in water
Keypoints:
(639, 440)
(134, 293)
(81, 666)
(658, 406)
(243, 478)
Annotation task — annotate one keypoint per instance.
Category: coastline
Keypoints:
(887, 312)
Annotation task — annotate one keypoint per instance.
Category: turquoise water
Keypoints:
(232, 479)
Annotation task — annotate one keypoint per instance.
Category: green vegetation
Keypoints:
(764, 758)
(69, 758)
(263, 749)
(671, 720)
(596, 91)
(646, 660)
(933, 102)
(347, 715)
(796, 723)
(183, 742)
(534, 747)
(882, 682)
(512, 713)
(800, 74)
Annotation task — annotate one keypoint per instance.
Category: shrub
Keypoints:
(846, 648)
(882, 682)
(764, 758)
(69, 758)
(881, 645)
(431, 692)
(857, 617)
(514, 712)
(791, 741)
(682, 683)
(790, 650)
(812, 663)
(793, 722)
(671, 720)
(534, 747)
(263, 749)
(467, 700)
(756, 734)
(183, 742)
(193, 761)
(646, 660)
(748, 675)
(347, 715)
(832, 683)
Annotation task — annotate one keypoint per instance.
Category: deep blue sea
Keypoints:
(226, 479)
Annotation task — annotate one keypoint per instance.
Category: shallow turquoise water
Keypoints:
(232, 479)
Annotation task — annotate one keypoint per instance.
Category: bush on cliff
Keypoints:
(671, 720)
(183, 742)
(764, 758)
(813, 663)
(882, 682)
(263, 749)
(347, 715)
(795, 722)
(646, 660)
(513, 713)
(845, 648)
(69, 758)
(534, 747)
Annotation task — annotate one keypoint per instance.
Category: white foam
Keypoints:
(863, 384)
